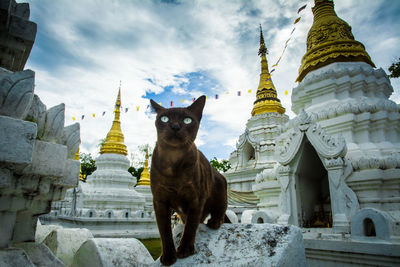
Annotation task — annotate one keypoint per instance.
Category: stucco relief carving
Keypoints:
(326, 145)
(247, 136)
(386, 162)
(331, 151)
(16, 94)
(266, 175)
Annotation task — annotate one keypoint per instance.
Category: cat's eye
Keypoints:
(164, 119)
(187, 120)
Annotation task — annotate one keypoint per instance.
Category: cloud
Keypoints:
(173, 50)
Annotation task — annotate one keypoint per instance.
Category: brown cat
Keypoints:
(183, 180)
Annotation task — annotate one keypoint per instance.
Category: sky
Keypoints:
(176, 50)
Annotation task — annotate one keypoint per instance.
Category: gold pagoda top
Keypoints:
(266, 97)
(330, 40)
(145, 176)
(115, 139)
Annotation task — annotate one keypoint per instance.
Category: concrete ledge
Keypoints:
(112, 252)
(13, 257)
(332, 253)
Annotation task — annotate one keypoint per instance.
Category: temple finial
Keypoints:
(115, 139)
(263, 49)
(267, 100)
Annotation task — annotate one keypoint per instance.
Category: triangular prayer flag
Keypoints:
(73, 118)
(301, 8)
(137, 108)
(126, 110)
(276, 64)
(182, 100)
(292, 31)
(104, 113)
(193, 99)
(216, 96)
(83, 116)
(297, 20)
(171, 103)
(286, 92)
(238, 93)
(227, 92)
(93, 115)
(249, 91)
(272, 70)
(147, 106)
(160, 103)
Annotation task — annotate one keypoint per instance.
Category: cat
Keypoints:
(182, 179)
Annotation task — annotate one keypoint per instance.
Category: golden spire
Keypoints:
(145, 176)
(266, 97)
(330, 40)
(115, 139)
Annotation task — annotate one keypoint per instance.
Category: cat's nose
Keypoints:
(175, 126)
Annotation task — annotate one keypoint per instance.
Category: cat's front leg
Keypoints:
(163, 217)
(186, 244)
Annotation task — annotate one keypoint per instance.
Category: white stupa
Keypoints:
(108, 204)
(252, 183)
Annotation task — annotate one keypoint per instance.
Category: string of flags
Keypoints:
(290, 37)
(215, 96)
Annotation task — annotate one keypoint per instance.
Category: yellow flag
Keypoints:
(182, 100)
(137, 108)
(93, 115)
(227, 92)
(286, 92)
(249, 91)
(160, 103)
(73, 118)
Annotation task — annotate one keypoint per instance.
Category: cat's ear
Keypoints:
(157, 108)
(197, 107)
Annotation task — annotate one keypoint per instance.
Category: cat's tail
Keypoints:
(226, 219)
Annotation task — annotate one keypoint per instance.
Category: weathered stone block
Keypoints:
(17, 139)
(7, 221)
(5, 178)
(48, 160)
(39, 254)
(64, 243)
(112, 252)
(71, 174)
(25, 226)
(245, 245)
(14, 257)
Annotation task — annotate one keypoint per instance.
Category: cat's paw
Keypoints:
(214, 224)
(168, 259)
(185, 251)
